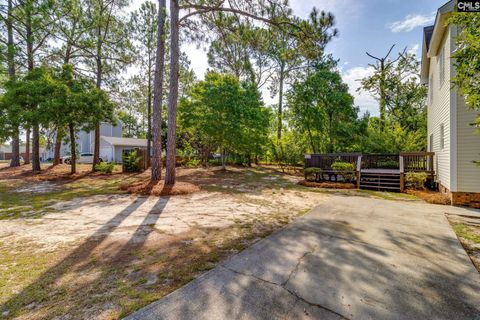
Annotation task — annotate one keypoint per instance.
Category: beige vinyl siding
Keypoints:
(468, 149)
(439, 108)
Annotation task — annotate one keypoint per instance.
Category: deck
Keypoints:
(381, 171)
(374, 171)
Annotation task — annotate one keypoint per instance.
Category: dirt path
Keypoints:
(349, 258)
(131, 250)
(86, 217)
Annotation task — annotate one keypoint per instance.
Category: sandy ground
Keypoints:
(96, 216)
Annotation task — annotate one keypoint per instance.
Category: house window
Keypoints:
(442, 136)
(430, 147)
(441, 65)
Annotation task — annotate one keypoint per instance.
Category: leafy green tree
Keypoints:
(107, 47)
(34, 29)
(71, 30)
(81, 105)
(321, 107)
(23, 102)
(292, 48)
(225, 115)
(402, 99)
(143, 28)
(8, 55)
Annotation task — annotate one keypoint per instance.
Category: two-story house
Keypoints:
(450, 132)
(112, 143)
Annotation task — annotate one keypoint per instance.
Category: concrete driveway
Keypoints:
(349, 258)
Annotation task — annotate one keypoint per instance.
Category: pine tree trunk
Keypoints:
(36, 148)
(173, 93)
(27, 147)
(280, 101)
(158, 94)
(73, 149)
(224, 162)
(99, 71)
(149, 119)
(15, 161)
(58, 146)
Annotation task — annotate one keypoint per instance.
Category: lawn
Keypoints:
(79, 247)
(467, 229)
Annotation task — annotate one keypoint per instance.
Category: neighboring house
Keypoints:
(450, 133)
(6, 152)
(112, 144)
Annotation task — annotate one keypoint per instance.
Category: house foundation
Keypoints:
(466, 199)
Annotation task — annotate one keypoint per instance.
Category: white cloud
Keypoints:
(414, 49)
(363, 99)
(411, 22)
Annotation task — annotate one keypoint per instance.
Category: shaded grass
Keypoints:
(33, 204)
(467, 232)
(106, 283)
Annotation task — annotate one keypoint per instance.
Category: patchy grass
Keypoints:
(108, 280)
(24, 194)
(467, 230)
(14, 204)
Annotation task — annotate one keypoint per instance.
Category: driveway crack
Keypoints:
(299, 261)
(283, 287)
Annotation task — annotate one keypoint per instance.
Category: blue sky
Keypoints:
(364, 25)
(373, 26)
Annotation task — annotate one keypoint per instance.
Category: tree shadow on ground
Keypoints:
(81, 259)
(335, 267)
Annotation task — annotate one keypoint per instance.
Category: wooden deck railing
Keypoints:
(381, 161)
(404, 162)
(325, 161)
(418, 161)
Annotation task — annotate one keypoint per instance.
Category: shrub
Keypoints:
(345, 169)
(416, 180)
(131, 162)
(312, 172)
(193, 163)
(388, 164)
(105, 167)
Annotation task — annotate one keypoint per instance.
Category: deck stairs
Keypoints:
(380, 181)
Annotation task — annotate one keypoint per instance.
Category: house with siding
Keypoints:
(450, 134)
(112, 143)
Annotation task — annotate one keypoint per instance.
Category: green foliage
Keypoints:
(345, 169)
(467, 57)
(467, 60)
(220, 113)
(402, 125)
(321, 107)
(287, 151)
(314, 173)
(416, 180)
(131, 162)
(193, 163)
(105, 167)
(394, 138)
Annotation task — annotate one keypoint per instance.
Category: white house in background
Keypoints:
(112, 144)
(450, 133)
